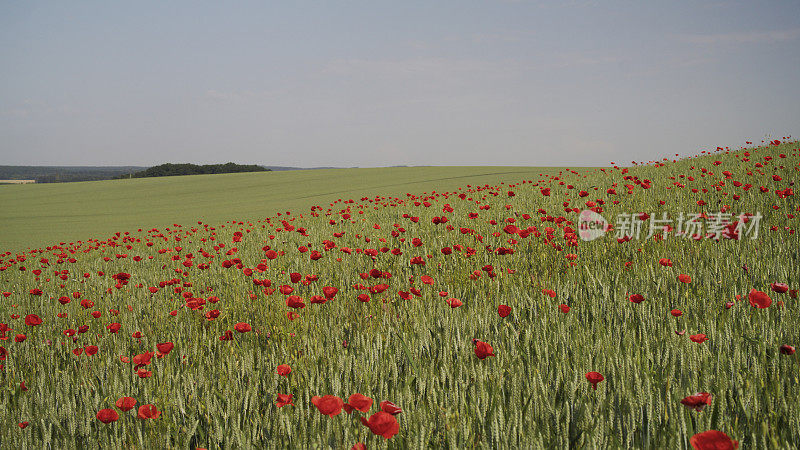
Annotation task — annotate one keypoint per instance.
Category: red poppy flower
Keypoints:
(382, 424)
(284, 370)
(636, 298)
(142, 359)
(676, 312)
(359, 446)
(329, 292)
(391, 408)
(787, 349)
(227, 336)
(359, 402)
(126, 403)
(283, 400)
(295, 277)
(713, 440)
(165, 348)
(107, 415)
(294, 301)
(594, 378)
(148, 412)
(91, 349)
(329, 405)
(699, 338)
(759, 299)
(286, 289)
(482, 349)
(503, 310)
(454, 302)
(318, 299)
(426, 279)
(665, 262)
(242, 327)
(564, 308)
(697, 401)
(32, 320)
(114, 327)
(23, 425)
(780, 288)
(683, 278)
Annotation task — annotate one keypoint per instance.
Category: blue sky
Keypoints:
(368, 84)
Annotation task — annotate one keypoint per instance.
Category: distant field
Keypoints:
(40, 215)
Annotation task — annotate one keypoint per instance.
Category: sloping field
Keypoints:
(32, 216)
(473, 317)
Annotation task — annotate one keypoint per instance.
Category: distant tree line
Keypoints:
(168, 170)
(64, 174)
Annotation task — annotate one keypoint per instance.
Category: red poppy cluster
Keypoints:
(124, 404)
(382, 423)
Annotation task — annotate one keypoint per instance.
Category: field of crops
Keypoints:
(43, 214)
(470, 317)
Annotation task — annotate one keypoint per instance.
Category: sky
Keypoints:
(379, 83)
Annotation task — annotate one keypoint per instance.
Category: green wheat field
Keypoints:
(466, 297)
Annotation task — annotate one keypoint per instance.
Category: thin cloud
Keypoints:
(753, 37)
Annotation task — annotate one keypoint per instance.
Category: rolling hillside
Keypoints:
(41, 215)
